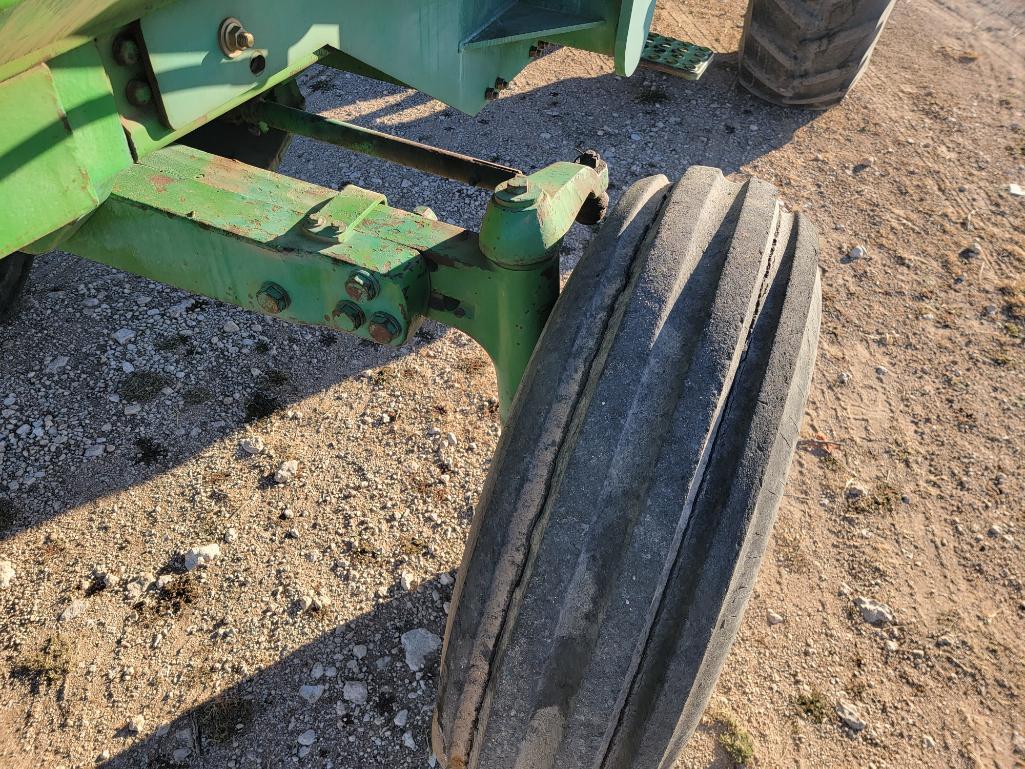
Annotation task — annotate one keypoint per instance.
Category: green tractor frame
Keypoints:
(650, 408)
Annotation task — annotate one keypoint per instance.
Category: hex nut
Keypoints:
(349, 316)
(126, 52)
(384, 328)
(362, 286)
(272, 298)
(138, 93)
(234, 38)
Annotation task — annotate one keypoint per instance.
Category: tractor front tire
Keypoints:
(14, 270)
(621, 527)
(808, 53)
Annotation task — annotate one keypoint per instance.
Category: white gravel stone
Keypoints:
(286, 472)
(850, 716)
(773, 618)
(307, 738)
(231, 535)
(359, 651)
(419, 644)
(355, 692)
(408, 741)
(874, 612)
(124, 335)
(858, 252)
(7, 574)
(406, 581)
(252, 445)
(203, 555)
(136, 724)
(401, 717)
(73, 610)
(311, 692)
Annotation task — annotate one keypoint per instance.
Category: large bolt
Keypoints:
(234, 38)
(272, 298)
(138, 93)
(516, 193)
(383, 327)
(126, 52)
(361, 286)
(349, 316)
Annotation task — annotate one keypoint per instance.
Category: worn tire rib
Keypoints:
(558, 617)
(810, 54)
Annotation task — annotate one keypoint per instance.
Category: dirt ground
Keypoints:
(286, 649)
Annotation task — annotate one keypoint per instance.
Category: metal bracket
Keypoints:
(345, 260)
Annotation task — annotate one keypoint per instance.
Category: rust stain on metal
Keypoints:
(161, 182)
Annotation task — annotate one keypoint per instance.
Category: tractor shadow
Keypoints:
(257, 721)
(647, 124)
(643, 125)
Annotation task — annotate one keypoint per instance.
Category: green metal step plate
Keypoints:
(675, 57)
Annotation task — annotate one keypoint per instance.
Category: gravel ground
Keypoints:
(174, 591)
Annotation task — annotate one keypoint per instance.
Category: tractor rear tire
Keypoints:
(633, 491)
(14, 270)
(808, 53)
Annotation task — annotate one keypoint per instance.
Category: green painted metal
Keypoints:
(529, 215)
(60, 146)
(526, 21)
(345, 260)
(676, 57)
(631, 34)
(445, 163)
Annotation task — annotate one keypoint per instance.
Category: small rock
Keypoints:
(180, 755)
(230, 327)
(253, 445)
(773, 618)
(359, 651)
(858, 252)
(136, 724)
(874, 612)
(317, 671)
(104, 756)
(446, 579)
(850, 716)
(419, 644)
(311, 692)
(73, 610)
(137, 586)
(882, 371)
(995, 530)
(408, 741)
(855, 491)
(406, 581)
(355, 692)
(231, 535)
(7, 574)
(201, 556)
(944, 641)
(132, 409)
(401, 717)
(286, 472)
(307, 738)
(928, 742)
(124, 335)
(1016, 190)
